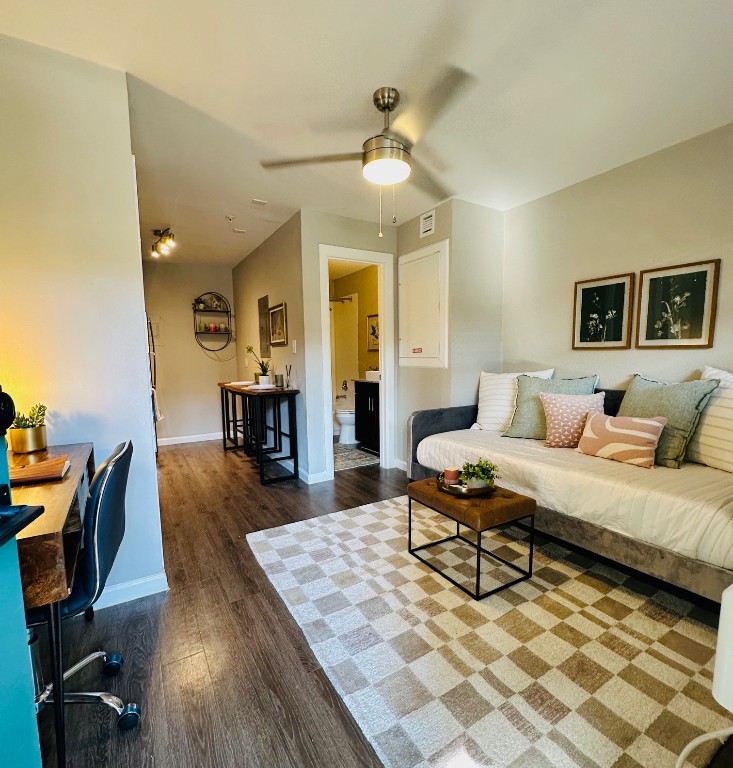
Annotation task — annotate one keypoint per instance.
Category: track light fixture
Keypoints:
(162, 246)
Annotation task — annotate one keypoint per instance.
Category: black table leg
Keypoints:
(57, 672)
(224, 417)
(293, 433)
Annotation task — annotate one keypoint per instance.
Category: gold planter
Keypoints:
(27, 440)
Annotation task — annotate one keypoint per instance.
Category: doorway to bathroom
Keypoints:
(357, 305)
(354, 315)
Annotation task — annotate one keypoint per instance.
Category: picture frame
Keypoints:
(602, 312)
(372, 322)
(279, 325)
(677, 306)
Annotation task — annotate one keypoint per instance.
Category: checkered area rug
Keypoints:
(581, 666)
(350, 457)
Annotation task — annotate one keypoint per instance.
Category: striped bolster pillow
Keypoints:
(622, 438)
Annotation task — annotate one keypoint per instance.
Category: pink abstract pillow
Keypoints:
(622, 438)
(566, 415)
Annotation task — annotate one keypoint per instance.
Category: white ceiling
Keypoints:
(563, 90)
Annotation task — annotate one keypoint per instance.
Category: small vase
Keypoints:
(264, 379)
(28, 439)
(474, 482)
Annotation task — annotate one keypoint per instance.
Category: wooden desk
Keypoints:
(259, 439)
(48, 549)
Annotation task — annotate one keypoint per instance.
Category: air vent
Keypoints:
(427, 223)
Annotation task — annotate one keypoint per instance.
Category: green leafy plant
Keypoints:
(263, 365)
(36, 418)
(483, 469)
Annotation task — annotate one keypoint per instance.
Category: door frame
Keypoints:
(387, 349)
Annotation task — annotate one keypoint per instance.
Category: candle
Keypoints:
(450, 474)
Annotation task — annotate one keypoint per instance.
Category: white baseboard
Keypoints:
(189, 438)
(132, 590)
(400, 464)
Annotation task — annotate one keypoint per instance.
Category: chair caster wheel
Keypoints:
(112, 664)
(129, 717)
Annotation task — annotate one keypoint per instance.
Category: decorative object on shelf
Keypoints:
(279, 380)
(162, 246)
(677, 306)
(288, 369)
(262, 364)
(279, 325)
(204, 306)
(602, 312)
(28, 433)
(372, 333)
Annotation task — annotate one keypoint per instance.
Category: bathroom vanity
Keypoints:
(366, 405)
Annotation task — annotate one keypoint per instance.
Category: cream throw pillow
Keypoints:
(712, 442)
(497, 398)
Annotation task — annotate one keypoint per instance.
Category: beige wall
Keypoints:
(187, 375)
(72, 311)
(273, 269)
(672, 207)
(476, 242)
(365, 284)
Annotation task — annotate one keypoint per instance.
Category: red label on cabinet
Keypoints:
(416, 350)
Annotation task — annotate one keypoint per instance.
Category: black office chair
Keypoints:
(102, 532)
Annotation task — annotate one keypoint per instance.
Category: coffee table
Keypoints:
(480, 514)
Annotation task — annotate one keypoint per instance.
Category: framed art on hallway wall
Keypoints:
(279, 325)
(677, 306)
(602, 312)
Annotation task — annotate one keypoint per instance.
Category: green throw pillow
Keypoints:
(681, 404)
(529, 415)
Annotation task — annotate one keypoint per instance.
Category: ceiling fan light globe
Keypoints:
(386, 171)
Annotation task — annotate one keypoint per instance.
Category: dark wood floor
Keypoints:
(221, 669)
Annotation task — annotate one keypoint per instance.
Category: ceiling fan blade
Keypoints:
(340, 158)
(423, 179)
(417, 119)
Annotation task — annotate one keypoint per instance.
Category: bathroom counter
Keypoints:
(365, 381)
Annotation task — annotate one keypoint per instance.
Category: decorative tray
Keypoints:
(462, 491)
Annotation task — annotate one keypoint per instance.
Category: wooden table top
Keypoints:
(477, 512)
(56, 496)
(240, 389)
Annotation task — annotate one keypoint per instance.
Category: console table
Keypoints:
(245, 426)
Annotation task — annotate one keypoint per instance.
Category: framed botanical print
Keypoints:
(372, 333)
(279, 325)
(677, 306)
(602, 312)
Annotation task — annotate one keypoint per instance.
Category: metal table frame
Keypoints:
(245, 427)
(476, 594)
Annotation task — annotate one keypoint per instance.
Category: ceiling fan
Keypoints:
(388, 157)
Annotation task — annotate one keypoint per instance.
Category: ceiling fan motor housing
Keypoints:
(383, 148)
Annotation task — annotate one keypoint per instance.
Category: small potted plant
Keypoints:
(479, 475)
(261, 376)
(28, 433)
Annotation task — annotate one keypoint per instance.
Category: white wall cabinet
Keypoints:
(423, 307)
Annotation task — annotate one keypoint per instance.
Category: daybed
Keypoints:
(673, 524)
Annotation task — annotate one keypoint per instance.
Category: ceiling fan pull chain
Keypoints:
(394, 215)
(380, 211)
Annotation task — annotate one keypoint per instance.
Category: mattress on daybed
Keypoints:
(687, 510)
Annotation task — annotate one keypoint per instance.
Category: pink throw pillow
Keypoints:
(622, 438)
(566, 415)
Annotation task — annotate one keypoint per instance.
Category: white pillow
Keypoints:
(712, 442)
(497, 398)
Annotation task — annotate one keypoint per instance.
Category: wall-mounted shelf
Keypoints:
(204, 306)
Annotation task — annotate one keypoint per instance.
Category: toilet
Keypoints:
(346, 419)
